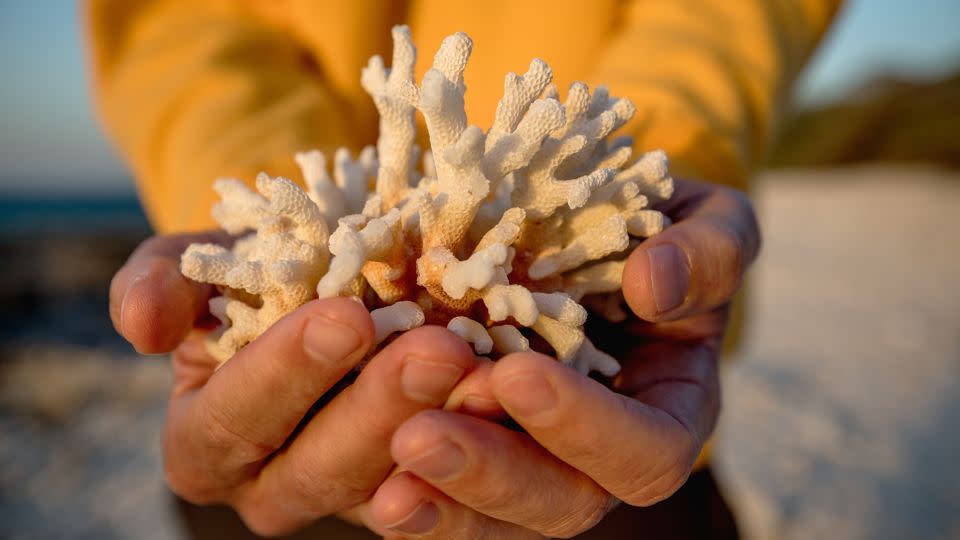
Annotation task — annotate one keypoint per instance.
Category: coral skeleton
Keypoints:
(501, 236)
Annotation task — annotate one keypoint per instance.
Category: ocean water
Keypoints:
(25, 215)
(59, 256)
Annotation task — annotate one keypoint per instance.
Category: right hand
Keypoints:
(231, 434)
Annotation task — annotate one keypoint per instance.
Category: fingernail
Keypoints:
(477, 404)
(443, 462)
(328, 340)
(528, 394)
(422, 520)
(428, 382)
(669, 276)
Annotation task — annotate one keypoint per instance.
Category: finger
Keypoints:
(707, 327)
(408, 507)
(218, 435)
(637, 451)
(474, 396)
(192, 364)
(152, 304)
(342, 454)
(678, 378)
(698, 263)
(498, 472)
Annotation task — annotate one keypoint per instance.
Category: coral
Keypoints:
(499, 236)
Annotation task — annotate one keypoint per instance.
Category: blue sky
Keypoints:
(50, 144)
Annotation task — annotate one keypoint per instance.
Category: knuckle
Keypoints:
(730, 243)
(191, 483)
(154, 248)
(304, 483)
(265, 514)
(667, 486)
(381, 426)
(666, 480)
(490, 494)
(746, 206)
(222, 439)
(154, 266)
(188, 487)
(734, 197)
(151, 244)
(177, 484)
(586, 516)
(374, 423)
(728, 249)
(316, 492)
(260, 522)
(485, 491)
(748, 233)
(116, 299)
(592, 446)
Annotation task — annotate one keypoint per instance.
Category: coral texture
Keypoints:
(499, 236)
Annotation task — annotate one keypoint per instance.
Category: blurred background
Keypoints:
(842, 412)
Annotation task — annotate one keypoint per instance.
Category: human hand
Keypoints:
(234, 435)
(586, 445)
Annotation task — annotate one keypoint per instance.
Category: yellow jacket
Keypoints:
(195, 90)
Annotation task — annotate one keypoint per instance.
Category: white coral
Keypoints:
(268, 274)
(399, 317)
(500, 235)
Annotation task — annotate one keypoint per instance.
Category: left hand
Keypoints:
(586, 445)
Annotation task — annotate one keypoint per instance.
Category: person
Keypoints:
(192, 91)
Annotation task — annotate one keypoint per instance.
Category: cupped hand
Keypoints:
(585, 445)
(237, 435)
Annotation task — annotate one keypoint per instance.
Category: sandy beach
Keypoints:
(841, 411)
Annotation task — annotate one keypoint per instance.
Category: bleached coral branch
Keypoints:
(511, 301)
(561, 307)
(564, 338)
(606, 237)
(398, 317)
(352, 249)
(589, 358)
(570, 164)
(474, 273)
(472, 332)
(279, 265)
(352, 177)
(508, 339)
(320, 187)
(395, 95)
(522, 121)
(598, 278)
(651, 176)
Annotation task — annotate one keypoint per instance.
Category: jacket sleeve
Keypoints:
(192, 91)
(711, 77)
